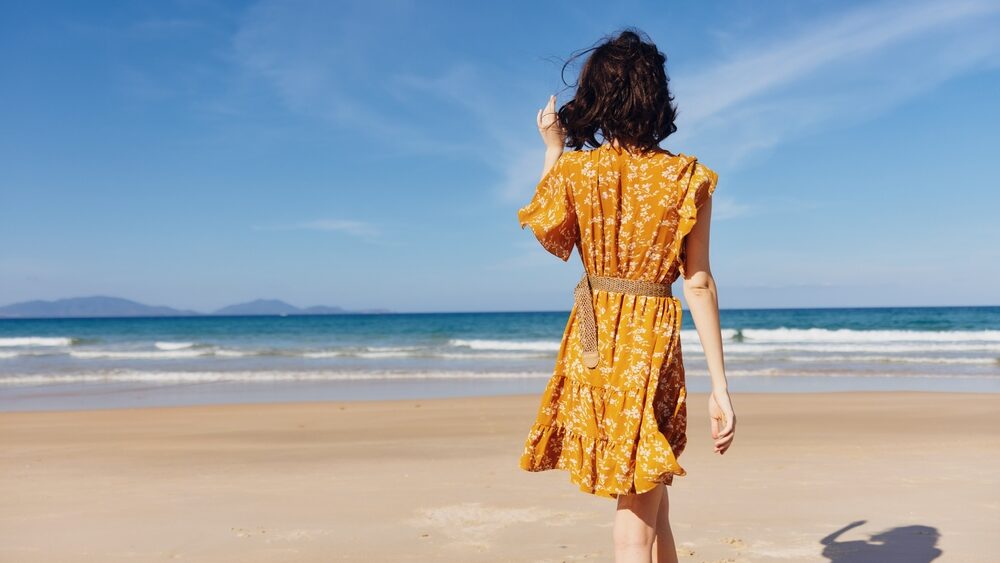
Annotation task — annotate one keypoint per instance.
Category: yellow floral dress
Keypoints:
(620, 427)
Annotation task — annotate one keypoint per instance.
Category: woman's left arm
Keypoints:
(702, 298)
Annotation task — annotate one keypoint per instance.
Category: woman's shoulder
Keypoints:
(679, 162)
(683, 168)
(689, 163)
(570, 161)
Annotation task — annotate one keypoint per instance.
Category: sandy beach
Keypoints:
(437, 480)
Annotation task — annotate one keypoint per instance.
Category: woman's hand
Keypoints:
(720, 411)
(549, 127)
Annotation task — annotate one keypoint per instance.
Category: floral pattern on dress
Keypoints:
(620, 427)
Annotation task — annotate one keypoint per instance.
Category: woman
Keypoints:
(614, 413)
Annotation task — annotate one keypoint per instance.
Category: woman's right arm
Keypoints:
(552, 134)
(702, 300)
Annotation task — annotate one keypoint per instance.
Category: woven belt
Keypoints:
(584, 298)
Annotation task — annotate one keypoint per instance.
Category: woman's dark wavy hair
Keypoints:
(621, 92)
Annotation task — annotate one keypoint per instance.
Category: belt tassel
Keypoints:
(588, 323)
(584, 298)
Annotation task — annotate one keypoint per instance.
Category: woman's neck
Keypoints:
(618, 146)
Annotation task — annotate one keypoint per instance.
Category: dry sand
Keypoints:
(437, 480)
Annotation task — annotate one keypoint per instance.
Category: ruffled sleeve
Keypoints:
(699, 181)
(550, 212)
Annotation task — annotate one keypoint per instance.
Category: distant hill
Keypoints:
(277, 307)
(324, 310)
(259, 307)
(100, 306)
(97, 306)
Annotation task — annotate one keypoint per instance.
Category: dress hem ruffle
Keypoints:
(543, 433)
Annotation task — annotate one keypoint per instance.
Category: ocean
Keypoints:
(91, 363)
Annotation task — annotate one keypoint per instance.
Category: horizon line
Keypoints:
(349, 313)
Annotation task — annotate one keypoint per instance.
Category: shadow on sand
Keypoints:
(905, 544)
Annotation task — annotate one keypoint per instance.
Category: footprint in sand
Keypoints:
(736, 543)
(245, 533)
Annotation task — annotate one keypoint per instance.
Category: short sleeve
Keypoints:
(703, 182)
(699, 181)
(550, 212)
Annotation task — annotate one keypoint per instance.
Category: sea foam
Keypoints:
(484, 344)
(173, 345)
(36, 341)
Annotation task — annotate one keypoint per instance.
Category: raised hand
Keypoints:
(549, 127)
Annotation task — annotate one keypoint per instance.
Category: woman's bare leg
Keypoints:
(664, 550)
(635, 526)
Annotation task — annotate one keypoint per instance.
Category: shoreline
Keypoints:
(437, 479)
(148, 394)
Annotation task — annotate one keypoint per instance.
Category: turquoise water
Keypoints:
(434, 354)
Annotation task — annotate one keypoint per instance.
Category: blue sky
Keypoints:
(374, 154)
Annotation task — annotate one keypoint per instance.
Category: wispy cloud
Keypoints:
(843, 69)
(825, 73)
(507, 141)
(323, 60)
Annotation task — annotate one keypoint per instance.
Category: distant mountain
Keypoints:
(277, 307)
(97, 306)
(259, 307)
(116, 307)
